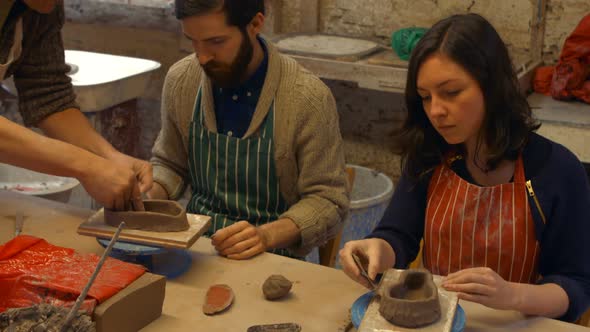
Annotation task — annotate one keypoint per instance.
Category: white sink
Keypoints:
(103, 80)
(27, 182)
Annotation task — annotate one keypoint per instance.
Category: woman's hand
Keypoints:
(483, 285)
(377, 252)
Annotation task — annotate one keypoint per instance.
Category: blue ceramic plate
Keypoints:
(360, 306)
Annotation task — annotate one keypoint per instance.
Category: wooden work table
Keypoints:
(320, 299)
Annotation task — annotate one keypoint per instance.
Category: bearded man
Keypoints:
(254, 134)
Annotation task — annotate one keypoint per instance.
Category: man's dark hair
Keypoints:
(238, 12)
(473, 43)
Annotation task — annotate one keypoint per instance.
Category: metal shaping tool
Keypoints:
(364, 273)
(82, 296)
(18, 222)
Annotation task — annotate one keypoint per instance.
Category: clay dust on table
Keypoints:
(43, 318)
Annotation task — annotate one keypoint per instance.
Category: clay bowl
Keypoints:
(159, 216)
(412, 301)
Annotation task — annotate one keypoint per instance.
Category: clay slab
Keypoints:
(199, 224)
(374, 322)
(159, 216)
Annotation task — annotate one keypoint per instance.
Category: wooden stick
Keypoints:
(82, 296)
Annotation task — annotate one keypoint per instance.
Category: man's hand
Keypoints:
(143, 169)
(112, 185)
(239, 241)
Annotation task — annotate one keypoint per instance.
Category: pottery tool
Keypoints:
(199, 224)
(363, 270)
(18, 222)
(82, 296)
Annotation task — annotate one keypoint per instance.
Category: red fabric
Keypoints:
(570, 78)
(33, 271)
(471, 226)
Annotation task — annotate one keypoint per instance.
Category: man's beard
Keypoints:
(225, 76)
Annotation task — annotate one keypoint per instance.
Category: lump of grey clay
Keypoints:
(412, 301)
(159, 216)
(276, 286)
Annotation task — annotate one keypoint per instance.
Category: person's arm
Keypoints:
(243, 240)
(321, 180)
(564, 194)
(548, 300)
(396, 239)
(169, 155)
(46, 95)
(402, 224)
(73, 127)
(483, 285)
(109, 185)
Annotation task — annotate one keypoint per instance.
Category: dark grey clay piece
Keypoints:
(159, 216)
(276, 286)
(43, 318)
(285, 327)
(412, 301)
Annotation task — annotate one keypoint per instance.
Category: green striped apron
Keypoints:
(233, 179)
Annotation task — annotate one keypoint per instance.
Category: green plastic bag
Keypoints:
(404, 40)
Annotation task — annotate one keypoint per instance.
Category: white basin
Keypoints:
(27, 182)
(103, 80)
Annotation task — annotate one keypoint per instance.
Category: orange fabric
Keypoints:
(470, 226)
(33, 271)
(542, 80)
(570, 77)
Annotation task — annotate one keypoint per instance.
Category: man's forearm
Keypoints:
(282, 233)
(73, 127)
(22, 147)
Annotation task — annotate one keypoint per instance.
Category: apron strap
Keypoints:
(197, 107)
(269, 122)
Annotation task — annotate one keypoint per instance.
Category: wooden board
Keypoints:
(520, 58)
(142, 299)
(95, 226)
(374, 322)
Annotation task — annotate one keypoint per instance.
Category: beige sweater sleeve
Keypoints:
(169, 154)
(321, 183)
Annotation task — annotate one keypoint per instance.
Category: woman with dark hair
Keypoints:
(503, 212)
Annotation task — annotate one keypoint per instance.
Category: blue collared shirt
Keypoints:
(234, 107)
